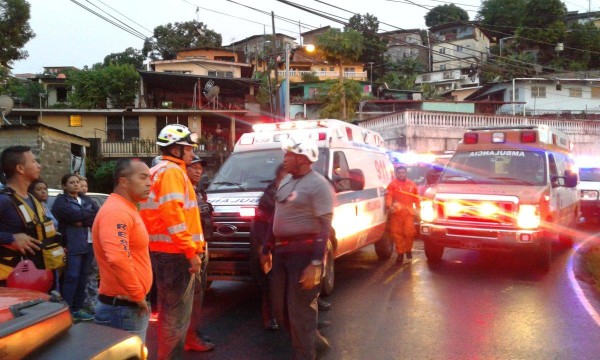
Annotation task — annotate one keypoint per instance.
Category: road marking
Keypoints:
(575, 285)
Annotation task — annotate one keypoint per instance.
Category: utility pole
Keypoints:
(371, 73)
(275, 67)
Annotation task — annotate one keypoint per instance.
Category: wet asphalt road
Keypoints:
(471, 306)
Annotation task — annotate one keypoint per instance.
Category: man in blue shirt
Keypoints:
(20, 168)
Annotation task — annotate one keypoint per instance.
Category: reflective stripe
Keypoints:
(160, 237)
(198, 238)
(190, 204)
(148, 205)
(171, 196)
(177, 228)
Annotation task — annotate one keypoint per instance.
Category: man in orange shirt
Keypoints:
(402, 201)
(120, 241)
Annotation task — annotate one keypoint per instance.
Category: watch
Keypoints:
(316, 262)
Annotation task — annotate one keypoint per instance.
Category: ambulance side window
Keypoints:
(341, 171)
(554, 174)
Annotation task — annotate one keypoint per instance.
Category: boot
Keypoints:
(400, 259)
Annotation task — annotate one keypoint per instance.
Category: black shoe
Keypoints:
(321, 342)
(400, 259)
(323, 305)
(323, 324)
(272, 325)
(409, 255)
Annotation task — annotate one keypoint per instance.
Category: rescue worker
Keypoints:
(296, 246)
(172, 218)
(121, 248)
(194, 340)
(402, 202)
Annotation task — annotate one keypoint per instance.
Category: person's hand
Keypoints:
(266, 262)
(311, 276)
(143, 304)
(196, 265)
(26, 244)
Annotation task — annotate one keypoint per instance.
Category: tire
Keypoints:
(433, 252)
(328, 280)
(544, 255)
(384, 247)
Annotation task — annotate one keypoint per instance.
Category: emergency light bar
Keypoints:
(289, 125)
(526, 134)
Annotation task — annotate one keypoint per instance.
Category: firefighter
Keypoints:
(402, 202)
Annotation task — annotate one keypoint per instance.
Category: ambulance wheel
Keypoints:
(544, 255)
(433, 252)
(327, 281)
(384, 247)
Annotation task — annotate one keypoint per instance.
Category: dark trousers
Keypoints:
(301, 305)
(74, 280)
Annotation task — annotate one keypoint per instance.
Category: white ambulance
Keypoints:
(504, 189)
(353, 158)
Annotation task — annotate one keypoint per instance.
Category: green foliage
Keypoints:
(310, 77)
(173, 37)
(592, 264)
(341, 46)
(582, 46)
(101, 175)
(398, 80)
(92, 88)
(501, 17)
(542, 32)
(25, 91)
(331, 100)
(429, 93)
(14, 29)
(129, 56)
(443, 14)
(374, 45)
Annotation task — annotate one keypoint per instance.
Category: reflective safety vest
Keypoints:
(171, 212)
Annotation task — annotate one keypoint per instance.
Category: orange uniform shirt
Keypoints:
(403, 194)
(121, 249)
(171, 212)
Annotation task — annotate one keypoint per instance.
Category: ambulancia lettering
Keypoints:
(498, 153)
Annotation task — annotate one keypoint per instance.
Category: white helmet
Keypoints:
(177, 134)
(304, 146)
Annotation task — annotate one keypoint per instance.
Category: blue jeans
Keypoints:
(292, 305)
(74, 279)
(131, 319)
(175, 287)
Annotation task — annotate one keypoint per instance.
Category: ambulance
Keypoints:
(508, 189)
(351, 157)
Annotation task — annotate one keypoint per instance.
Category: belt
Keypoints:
(298, 239)
(114, 301)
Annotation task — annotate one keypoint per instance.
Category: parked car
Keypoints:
(589, 193)
(98, 198)
(36, 325)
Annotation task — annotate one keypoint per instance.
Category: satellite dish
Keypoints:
(213, 93)
(6, 106)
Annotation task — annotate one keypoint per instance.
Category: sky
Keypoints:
(69, 35)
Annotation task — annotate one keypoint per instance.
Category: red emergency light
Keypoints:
(470, 138)
(528, 137)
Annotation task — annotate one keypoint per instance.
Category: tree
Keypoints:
(95, 88)
(332, 107)
(129, 56)
(341, 47)
(501, 17)
(15, 30)
(374, 45)
(443, 14)
(542, 32)
(170, 38)
(24, 91)
(582, 45)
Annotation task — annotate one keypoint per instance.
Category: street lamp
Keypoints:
(309, 48)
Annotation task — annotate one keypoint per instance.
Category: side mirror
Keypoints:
(571, 179)
(357, 179)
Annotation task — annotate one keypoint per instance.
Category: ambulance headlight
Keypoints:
(528, 217)
(589, 195)
(427, 212)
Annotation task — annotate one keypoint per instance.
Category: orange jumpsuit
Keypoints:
(402, 200)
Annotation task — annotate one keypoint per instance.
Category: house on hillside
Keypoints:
(206, 61)
(407, 44)
(457, 49)
(558, 97)
(257, 49)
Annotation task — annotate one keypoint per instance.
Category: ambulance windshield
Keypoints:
(510, 167)
(253, 170)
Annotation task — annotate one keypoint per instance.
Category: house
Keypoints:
(304, 63)
(257, 49)
(54, 81)
(407, 44)
(564, 97)
(457, 49)
(207, 61)
(575, 17)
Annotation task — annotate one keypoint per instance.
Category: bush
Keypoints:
(102, 177)
(592, 264)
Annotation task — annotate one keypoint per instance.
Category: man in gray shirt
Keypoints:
(296, 246)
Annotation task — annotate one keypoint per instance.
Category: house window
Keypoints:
(538, 91)
(348, 70)
(442, 50)
(332, 69)
(323, 69)
(162, 121)
(426, 77)
(225, 74)
(443, 67)
(61, 95)
(596, 93)
(122, 128)
(459, 48)
(575, 92)
(75, 121)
